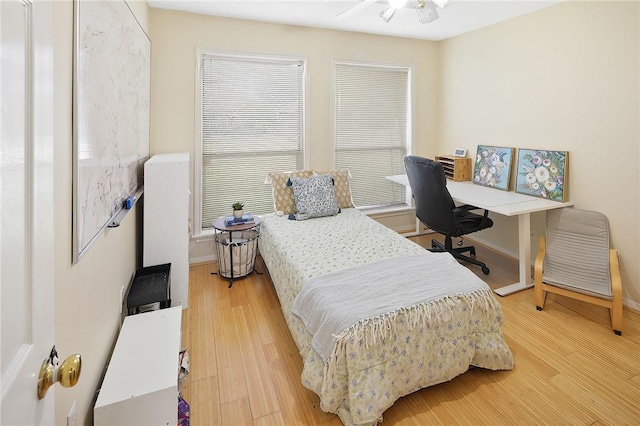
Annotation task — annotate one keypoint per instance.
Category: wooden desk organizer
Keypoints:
(455, 168)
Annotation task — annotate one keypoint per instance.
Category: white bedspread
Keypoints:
(331, 304)
(364, 380)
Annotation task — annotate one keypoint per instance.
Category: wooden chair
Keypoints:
(575, 260)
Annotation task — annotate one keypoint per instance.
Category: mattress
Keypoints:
(366, 378)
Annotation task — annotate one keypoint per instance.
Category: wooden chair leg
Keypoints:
(616, 291)
(540, 294)
(616, 319)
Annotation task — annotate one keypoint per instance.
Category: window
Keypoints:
(251, 123)
(372, 121)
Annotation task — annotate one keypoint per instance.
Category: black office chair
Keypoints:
(436, 209)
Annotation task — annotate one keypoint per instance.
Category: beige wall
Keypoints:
(87, 295)
(176, 35)
(563, 78)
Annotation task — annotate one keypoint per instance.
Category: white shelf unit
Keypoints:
(166, 220)
(140, 386)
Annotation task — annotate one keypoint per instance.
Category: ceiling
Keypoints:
(459, 16)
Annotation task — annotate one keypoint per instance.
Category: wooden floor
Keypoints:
(570, 366)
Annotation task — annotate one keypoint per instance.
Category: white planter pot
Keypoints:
(237, 214)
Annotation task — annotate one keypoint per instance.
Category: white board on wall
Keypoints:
(111, 84)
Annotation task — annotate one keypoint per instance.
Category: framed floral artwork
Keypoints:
(543, 173)
(493, 166)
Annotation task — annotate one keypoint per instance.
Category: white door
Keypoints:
(26, 208)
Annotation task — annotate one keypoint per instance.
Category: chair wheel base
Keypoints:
(457, 252)
(618, 332)
(538, 308)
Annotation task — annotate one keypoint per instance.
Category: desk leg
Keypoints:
(524, 252)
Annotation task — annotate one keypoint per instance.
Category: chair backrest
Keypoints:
(577, 251)
(434, 204)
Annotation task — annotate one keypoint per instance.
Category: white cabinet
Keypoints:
(140, 386)
(166, 220)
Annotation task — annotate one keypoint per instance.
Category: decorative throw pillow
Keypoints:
(341, 187)
(283, 200)
(314, 197)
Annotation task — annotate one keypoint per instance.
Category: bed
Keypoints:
(367, 375)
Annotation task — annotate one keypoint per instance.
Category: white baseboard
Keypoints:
(496, 248)
(631, 304)
(202, 259)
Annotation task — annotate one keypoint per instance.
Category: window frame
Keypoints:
(408, 202)
(198, 232)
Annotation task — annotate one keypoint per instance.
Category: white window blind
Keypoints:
(252, 124)
(372, 113)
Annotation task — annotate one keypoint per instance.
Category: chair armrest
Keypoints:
(614, 267)
(539, 293)
(616, 292)
(542, 252)
(465, 208)
(468, 207)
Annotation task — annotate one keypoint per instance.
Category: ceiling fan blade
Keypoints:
(356, 8)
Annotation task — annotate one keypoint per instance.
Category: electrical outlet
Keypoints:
(71, 417)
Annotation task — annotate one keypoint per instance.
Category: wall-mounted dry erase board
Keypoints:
(111, 86)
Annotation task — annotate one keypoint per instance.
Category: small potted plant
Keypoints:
(237, 209)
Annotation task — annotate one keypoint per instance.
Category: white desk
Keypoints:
(506, 203)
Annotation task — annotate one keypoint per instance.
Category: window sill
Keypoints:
(203, 236)
(388, 211)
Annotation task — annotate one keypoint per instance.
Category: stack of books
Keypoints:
(245, 219)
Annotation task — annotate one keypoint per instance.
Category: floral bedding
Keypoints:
(366, 379)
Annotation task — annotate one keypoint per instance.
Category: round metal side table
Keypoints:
(236, 248)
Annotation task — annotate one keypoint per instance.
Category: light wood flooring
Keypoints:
(570, 366)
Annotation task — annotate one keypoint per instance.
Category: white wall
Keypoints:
(563, 78)
(176, 35)
(87, 295)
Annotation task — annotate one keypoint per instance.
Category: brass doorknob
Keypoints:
(67, 373)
